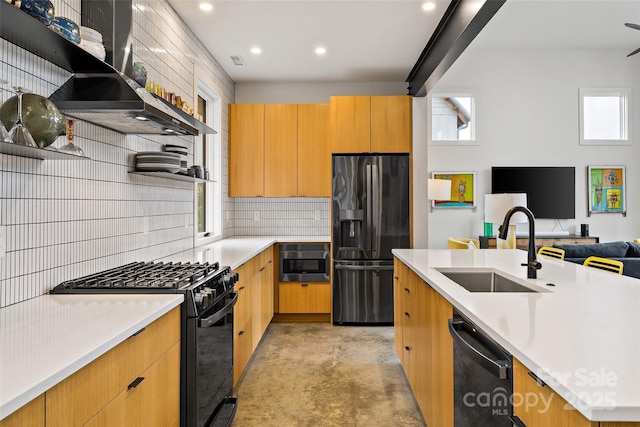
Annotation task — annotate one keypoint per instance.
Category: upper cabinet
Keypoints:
(279, 150)
(314, 151)
(246, 150)
(376, 124)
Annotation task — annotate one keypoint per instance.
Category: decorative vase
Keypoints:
(40, 116)
(139, 73)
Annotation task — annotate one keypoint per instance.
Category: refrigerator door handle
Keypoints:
(375, 211)
(352, 267)
(369, 237)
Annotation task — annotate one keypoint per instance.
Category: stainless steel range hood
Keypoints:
(114, 101)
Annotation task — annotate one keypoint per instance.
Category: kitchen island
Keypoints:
(578, 333)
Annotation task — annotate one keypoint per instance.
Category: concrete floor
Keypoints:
(317, 374)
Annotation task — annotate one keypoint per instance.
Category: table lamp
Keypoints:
(438, 189)
(496, 207)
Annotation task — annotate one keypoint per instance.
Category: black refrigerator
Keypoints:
(370, 217)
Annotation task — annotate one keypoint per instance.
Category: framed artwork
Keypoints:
(463, 190)
(607, 189)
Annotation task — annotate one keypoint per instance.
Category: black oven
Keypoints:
(307, 262)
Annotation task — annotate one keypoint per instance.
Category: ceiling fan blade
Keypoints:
(634, 52)
(634, 26)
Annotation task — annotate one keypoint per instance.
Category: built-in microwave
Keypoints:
(308, 262)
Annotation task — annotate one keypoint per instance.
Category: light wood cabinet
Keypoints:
(31, 414)
(84, 394)
(391, 124)
(371, 124)
(254, 310)
(549, 409)
(141, 404)
(307, 297)
(280, 150)
(350, 124)
(246, 150)
(314, 151)
(423, 344)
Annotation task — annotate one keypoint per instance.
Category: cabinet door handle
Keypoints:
(241, 333)
(406, 347)
(407, 314)
(537, 379)
(396, 278)
(407, 290)
(241, 288)
(138, 333)
(304, 284)
(135, 383)
(261, 270)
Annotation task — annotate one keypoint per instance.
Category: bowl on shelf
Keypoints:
(66, 28)
(42, 10)
(40, 115)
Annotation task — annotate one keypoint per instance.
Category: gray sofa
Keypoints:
(626, 252)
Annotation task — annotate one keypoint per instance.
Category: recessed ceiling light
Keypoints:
(256, 50)
(207, 7)
(428, 6)
(321, 50)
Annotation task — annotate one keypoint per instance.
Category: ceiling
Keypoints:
(380, 41)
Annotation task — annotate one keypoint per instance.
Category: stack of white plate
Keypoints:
(157, 161)
(91, 41)
(180, 150)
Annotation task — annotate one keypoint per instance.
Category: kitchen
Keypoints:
(70, 220)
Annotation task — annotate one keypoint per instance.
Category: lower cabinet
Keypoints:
(254, 310)
(31, 414)
(424, 345)
(135, 383)
(307, 297)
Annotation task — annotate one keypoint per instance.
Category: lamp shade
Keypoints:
(496, 207)
(439, 189)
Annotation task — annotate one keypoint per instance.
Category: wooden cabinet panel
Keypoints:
(391, 124)
(246, 150)
(314, 151)
(308, 297)
(78, 398)
(155, 401)
(398, 280)
(410, 317)
(31, 414)
(267, 284)
(242, 350)
(280, 150)
(556, 414)
(350, 124)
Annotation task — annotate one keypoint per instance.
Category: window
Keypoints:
(452, 119)
(604, 116)
(207, 152)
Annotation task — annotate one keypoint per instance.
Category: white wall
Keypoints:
(527, 114)
(311, 92)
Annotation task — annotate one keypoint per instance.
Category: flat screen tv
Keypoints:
(551, 191)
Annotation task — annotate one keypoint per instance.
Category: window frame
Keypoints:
(206, 89)
(624, 94)
(474, 117)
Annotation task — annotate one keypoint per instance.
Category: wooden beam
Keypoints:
(460, 24)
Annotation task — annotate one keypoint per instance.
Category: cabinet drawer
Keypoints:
(155, 400)
(298, 297)
(242, 348)
(78, 398)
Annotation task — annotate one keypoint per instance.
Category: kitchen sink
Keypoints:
(485, 281)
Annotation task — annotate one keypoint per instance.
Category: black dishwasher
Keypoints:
(483, 381)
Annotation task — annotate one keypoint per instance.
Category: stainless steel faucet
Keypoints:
(532, 264)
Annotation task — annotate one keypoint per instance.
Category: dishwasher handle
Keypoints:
(498, 368)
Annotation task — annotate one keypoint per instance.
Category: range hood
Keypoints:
(115, 101)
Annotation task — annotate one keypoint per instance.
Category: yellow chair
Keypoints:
(551, 252)
(604, 264)
(463, 243)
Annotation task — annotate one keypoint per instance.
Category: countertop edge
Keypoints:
(47, 383)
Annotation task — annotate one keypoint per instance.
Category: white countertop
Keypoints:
(235, 251)
(46, 339)
(582, 336)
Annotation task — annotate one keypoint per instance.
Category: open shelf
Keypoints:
(36, 153)
(169, 175)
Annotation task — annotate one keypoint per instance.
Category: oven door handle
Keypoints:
(215, 317)
(363, 267)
